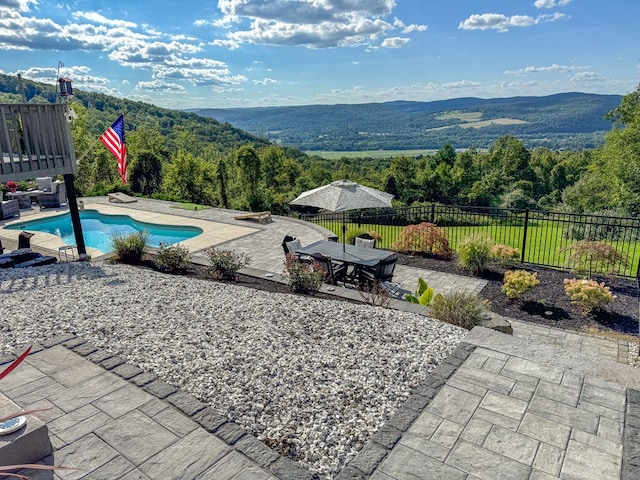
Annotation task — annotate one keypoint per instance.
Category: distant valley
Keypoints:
(570, 121)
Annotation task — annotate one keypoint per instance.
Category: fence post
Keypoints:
(524, 234)
(433, 213)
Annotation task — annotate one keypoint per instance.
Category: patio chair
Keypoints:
(333, 272)
(287, 239)
(290, 245)
(365, 240)
(9, 209)
(382, 272)
(54, 198)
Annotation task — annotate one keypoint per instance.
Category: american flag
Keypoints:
(113, 139)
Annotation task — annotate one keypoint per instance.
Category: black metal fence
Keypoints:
(542, 238)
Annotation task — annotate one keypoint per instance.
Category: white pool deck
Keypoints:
(213, 233)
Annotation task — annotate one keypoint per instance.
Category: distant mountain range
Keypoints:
(562, 121)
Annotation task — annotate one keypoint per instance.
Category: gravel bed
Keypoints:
(314, 379)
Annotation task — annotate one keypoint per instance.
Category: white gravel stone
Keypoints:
(312, 378)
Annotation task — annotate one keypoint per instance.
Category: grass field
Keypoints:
(191, 206)
(544, 246)
(458, 115)
(336, 155)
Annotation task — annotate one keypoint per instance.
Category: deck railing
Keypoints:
(542, 238)
(35, 141)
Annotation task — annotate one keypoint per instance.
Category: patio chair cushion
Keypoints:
(44, 184)
(363, 242)
(285, 240)
(38, 261)
(293, 245)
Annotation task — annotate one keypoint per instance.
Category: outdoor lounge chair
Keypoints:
(53, 198)
(333, 272)
(25, 257)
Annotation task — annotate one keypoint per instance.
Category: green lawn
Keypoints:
(545, 240)
(336, 155)
(191, 206)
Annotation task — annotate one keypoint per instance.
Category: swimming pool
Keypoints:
(98, 229)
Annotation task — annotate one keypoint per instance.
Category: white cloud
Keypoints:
(550, 3)
(394, 42)
(159, 86)
(502, 23)
(310, 23)
(460, 85)
(230, 44)
(551, 68)
(165, 56)
(414, 28)
(265, 81)
(588, 77)
(19, 5)
(97, 18)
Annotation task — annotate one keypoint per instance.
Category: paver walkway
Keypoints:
(517, 409)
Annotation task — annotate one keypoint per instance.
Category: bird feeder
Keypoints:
(65, 87)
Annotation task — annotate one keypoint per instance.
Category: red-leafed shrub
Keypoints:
(423, 238)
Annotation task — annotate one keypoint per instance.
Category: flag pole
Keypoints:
(88, 151)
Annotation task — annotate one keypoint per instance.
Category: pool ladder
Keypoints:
(68, 252)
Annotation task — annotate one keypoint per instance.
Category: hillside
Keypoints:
(561, 121)
(104, 109)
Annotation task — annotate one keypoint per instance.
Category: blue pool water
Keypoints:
(98, 229)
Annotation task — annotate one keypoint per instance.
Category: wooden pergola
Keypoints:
(35, 141)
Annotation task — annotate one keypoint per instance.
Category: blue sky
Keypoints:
(249, 53)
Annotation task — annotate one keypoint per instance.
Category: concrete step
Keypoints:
(30, 444)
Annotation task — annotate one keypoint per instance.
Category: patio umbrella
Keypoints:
(343, 195)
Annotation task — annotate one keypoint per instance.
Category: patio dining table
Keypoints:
(352, 255)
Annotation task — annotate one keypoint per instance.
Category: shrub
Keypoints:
(586, 256)
(172, 258)
(588, 295)
(375, 294)
(301, 276)
(459, 308)
(517, 282)
(474, 252)
(504, 254)
(423, 295)
(423, 238)
(130, 248)
(225, 264)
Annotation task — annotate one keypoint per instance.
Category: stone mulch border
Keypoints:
(377, 449)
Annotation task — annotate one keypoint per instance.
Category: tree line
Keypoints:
(262, 176)
(182, 156)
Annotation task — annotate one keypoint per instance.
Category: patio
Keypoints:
(539, 369)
